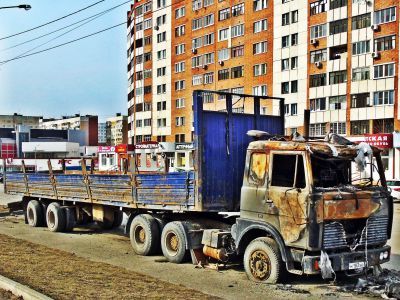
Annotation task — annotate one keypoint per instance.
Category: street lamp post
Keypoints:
(24, 6)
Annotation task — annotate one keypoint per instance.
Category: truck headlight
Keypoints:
(381, 255)
(385, 254)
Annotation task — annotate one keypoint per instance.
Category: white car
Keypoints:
(394, 185)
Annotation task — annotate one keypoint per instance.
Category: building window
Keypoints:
(224, 14)
(318, 31)
(139, 26)
(223, 34)
(139, 123)
(260, 25)
(180, 102)
(161, 89)
(237, 30)
(179, 85)
(209, 20)
(237, 51)
(237, 72)
(338, 26)
(179, 31)
(317, 80)
(285, 64)
(337, 77)
(161, 122)
(147, 40)
(208, 2)
(383, 71)
(179, 138)
(260, 69)
(285, 41)
(147, 122)
(161, 20)
(197, 24)
(361, 21)
(197, 61)
(360, 100)
(161, 71)
(295, 39)
(260, 4)
(197, 42)
(179, 67)
(208, 39)
(385, 15)
(295, 16)
(238, 10)
(147, 24)
(294, 62)
(318, 104)
(180, 49)
(285, 87)
(337, 102)
(208, 78)
(197, 4)
(260, 47)
(360, 74)
(162, 54)
(383, 97)
(293, 86)
(361, 47)
(197, 80)
(147, 56)
(161, 105)
(180, 121)
(147, 89)
(223, 54)
(161, 37)
(223, 74)
(318, 56)
(147, 73)
(337, 3)
(179, 12)
(318, 129)
(385, 43)
(338, 128)
(285, 19)
(209, 58)
(147, 138)
(260, 90)
(383, 126)
(291, 109)
(318, 7)
(208, 97)
(161, 138)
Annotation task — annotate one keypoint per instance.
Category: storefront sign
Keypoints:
(106, 149)
(380, 140)
(147, 145)
(122, 148)
(184, 146)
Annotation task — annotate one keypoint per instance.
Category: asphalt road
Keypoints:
(114, 248)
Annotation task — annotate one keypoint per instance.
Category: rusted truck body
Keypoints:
(277, 203)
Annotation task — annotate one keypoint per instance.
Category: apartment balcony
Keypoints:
(338, 115)
(372, 112)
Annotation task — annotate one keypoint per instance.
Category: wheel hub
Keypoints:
(260, 265)
(174, 242)
(142, 235)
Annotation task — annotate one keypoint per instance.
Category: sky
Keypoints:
(86, 77)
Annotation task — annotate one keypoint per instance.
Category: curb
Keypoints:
(21, 290)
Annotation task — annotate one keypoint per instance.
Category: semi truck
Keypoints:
(279, 204)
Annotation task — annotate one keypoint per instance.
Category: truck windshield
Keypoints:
(330, 172)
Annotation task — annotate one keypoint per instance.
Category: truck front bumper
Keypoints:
(345, 261)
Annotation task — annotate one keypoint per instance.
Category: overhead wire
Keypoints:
(63, 44)
(65, 27)
(50, 22)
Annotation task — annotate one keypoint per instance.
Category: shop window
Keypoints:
(257, 170)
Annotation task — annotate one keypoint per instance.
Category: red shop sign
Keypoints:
(380, 140)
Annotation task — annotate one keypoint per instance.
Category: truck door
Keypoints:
(288, 190)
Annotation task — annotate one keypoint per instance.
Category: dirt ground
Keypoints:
(63, 275)
(7, 295)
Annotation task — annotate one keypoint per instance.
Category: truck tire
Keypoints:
(56, 217)
(35, 214)
(173, 242)
(144, 235)
(70, 218)
(262, 261)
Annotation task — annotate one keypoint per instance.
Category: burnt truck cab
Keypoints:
(304, 199)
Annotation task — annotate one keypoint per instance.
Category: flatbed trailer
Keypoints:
(263, 200)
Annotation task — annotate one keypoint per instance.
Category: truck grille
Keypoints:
(375, 232)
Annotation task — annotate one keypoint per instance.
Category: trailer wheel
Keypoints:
(173, 243)
(263, 262)
(70, 218)
(55, 217)
(35, 214)
(144, 235)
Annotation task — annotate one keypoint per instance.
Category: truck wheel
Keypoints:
(35, 214)
(173, 243)
(263, 262)
(55, 217)
(144, 235)
(70, 218)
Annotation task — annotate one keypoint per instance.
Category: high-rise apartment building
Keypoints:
(338, 58)
(117, 130)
